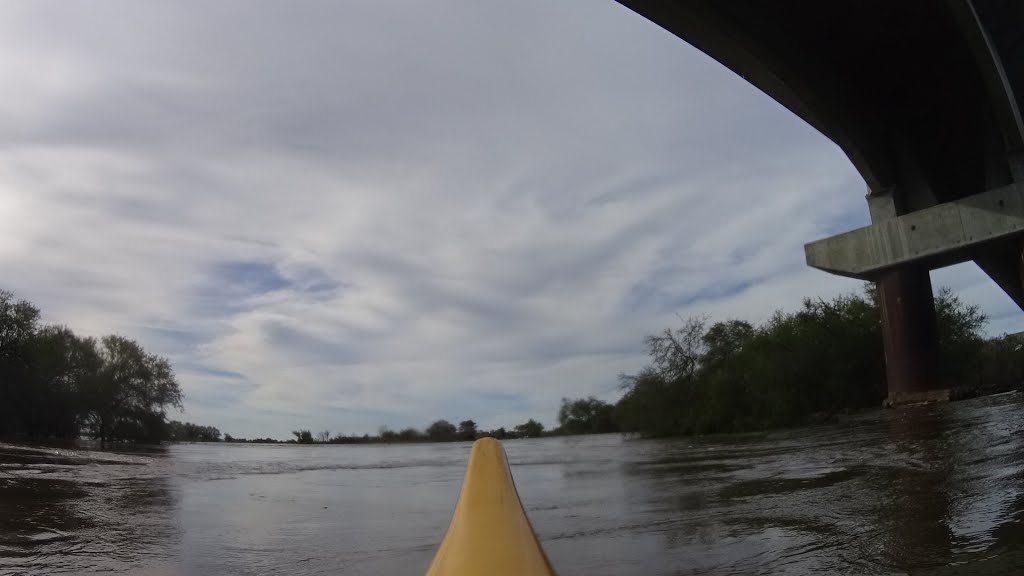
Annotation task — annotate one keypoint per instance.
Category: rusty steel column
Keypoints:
(909, 335)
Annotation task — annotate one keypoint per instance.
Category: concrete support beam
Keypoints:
(934, 237)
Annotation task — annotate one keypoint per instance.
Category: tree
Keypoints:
(18, 396)
(1002, 364)
(56, 384)
(387, 434)
(129, 396)
(586, 416)
(677, 354)
(60, 366)
(409, 435)
(651, 405)
(441, 431)
(189, 432)
(530, 429)
(467, 430)
(960, 340)
(323, 436)
(303, 436)
(18, 321)
(724, 340)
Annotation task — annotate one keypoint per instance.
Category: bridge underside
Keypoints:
(924, 97)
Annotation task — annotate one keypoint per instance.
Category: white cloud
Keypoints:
(344, 216)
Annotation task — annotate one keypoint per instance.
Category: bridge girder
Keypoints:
(923, 96)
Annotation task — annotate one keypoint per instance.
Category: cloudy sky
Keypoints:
(350, 214)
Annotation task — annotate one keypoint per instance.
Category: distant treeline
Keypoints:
(56, 384)
(798, 367)
(439, 431)
(189, 432)
(824, 359)
(580, 416)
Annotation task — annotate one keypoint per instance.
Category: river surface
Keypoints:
(935, 490)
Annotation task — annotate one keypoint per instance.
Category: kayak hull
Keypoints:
(490, 533)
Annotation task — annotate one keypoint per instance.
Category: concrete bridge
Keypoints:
(925, 98)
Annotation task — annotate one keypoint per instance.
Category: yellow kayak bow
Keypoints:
(490, 534)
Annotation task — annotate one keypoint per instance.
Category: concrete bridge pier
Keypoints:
(910, 336)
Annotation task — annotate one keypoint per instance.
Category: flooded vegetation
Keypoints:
(928, 490)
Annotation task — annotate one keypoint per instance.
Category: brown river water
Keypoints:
(933, 490)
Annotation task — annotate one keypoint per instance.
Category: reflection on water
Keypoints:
(934, 490)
